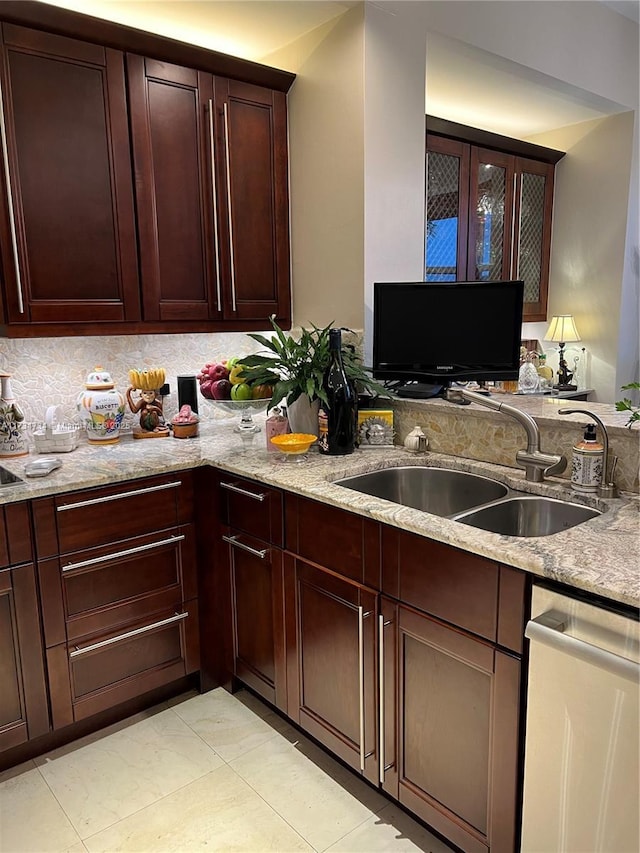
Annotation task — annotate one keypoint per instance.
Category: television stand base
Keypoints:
(419, 390)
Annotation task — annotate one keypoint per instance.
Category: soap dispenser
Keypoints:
(587, 462)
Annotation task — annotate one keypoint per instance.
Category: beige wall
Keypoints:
(589, 233)
(326, 155)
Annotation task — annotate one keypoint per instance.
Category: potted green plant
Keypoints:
(294, 367)
(627, 405)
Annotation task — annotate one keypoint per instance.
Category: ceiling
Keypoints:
(464, 84)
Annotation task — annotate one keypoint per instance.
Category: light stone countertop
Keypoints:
(601, 555)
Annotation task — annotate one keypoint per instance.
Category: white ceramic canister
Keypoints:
(101, 407)
(13, 438)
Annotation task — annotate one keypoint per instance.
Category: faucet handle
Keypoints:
(609, 490)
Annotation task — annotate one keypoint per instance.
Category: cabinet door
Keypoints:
(532, 233)
(331, 663)
(252, 137)
(172, 125)
(24, 711)
(69, 250)
(447, 209)
(453, 746)
(490, 215)
(258, 616)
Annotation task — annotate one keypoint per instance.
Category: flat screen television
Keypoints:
(438, 332)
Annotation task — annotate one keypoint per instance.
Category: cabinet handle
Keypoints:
(214, 194)
(232, 264)
(361, 617)
(119, 496)
(235, 541)
(12, 220)
(126, 553)
(178, 617)
(260, 496)
(549, 629)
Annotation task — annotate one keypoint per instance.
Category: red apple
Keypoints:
(205, 389)
(221, 389)
(218, 371)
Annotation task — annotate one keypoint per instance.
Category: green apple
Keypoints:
(240, 392)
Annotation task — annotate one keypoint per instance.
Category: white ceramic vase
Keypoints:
(303, 415)
(13, 439)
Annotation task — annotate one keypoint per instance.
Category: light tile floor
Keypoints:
(201, 772)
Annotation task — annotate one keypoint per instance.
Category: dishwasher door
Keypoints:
(581, 773)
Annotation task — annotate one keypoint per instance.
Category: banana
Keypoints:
(149, 379)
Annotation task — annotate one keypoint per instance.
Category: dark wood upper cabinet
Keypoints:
(69, 230)
(171, 124)
(251, 140)
(139, 194)
(489, 212)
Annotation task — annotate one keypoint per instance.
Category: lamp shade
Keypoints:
(562, 329)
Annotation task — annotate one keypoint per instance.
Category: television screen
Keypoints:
(440, 332)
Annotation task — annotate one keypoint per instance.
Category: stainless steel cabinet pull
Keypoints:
(230, 218)
(235, 541)
(361, 617)
(214, 195)
(135, 633)
(547, 629)
(119, 496)
(126, 553)
(260, 496)
(12, 220)
(381, 721)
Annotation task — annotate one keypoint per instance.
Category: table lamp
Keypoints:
(562, 328)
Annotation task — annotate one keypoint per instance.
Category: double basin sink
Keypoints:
(471, 499)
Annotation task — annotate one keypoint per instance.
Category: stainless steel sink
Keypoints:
(528, 515)
(471, 499)
(440, 491)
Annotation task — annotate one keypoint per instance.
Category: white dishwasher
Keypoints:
(581, 771)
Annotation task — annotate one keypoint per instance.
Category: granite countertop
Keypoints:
(600, 556)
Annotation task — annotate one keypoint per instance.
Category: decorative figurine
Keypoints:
(149, 403)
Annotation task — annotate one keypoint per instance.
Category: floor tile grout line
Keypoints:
(149, 805)
(62, 808)
(275, 811)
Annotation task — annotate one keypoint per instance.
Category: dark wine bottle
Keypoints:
(337, 417)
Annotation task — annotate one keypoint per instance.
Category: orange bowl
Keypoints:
(294, 442)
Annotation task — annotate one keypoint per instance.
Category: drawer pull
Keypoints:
(261, 496)
(235, 541)
(126, 553)
(178, 617)
(118, 497)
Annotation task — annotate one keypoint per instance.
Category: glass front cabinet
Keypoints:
(488, 217)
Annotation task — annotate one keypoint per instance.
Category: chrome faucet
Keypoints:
(537, 464)
(607, 488)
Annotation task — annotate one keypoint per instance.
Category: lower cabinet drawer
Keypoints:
(109, 669)
(99, 589)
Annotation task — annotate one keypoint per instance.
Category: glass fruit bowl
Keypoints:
(246, 409)
(294, 444)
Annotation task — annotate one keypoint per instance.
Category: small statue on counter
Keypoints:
(149, 403)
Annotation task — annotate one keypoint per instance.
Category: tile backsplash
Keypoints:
(52, 371)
